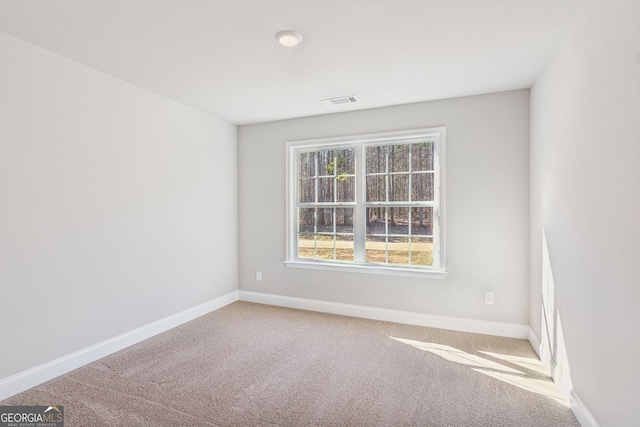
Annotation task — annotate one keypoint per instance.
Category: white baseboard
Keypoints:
(47, 371)
(502, 329)
(584, 417)
(581, 412)
(535, 342)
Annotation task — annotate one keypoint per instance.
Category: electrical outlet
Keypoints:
(259, 276)
(488, 298)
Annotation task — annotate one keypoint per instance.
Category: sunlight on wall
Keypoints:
(552, 348)
(561, 374)
(548, 307)
(528, 374)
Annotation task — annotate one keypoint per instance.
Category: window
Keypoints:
(371, 203)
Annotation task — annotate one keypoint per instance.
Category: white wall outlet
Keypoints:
(259, 276)
(488, 298)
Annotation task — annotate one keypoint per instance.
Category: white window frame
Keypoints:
(437, 135)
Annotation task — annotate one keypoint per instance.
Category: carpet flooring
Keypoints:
(256, 365)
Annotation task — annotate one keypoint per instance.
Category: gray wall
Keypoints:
(486, 202)
(118, 207)
(585, 197)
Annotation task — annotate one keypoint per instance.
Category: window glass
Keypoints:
(389, 220)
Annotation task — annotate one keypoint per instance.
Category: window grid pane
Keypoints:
(395, 234)
(398, 203)
(392, 236)
(325, 233)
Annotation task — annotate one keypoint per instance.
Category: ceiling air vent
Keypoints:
(339, 101)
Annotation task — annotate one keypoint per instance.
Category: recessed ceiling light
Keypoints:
(289, 38)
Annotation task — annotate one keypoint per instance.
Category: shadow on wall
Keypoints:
(552, 348)
(522, 372)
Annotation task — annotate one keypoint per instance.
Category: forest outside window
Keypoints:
(371, 203)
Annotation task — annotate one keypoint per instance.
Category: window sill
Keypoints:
(368, 269)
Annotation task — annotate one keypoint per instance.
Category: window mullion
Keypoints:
(410, 227)
(410, 189)
(360, 216)
(436, 210)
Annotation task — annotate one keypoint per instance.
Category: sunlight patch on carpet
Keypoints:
(534, 381)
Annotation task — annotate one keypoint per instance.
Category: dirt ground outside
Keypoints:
(378, 252)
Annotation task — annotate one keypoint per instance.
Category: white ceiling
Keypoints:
(220, 56)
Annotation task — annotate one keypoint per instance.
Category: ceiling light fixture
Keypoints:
(289, 38)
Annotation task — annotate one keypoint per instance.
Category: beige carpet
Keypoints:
(249, 364)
